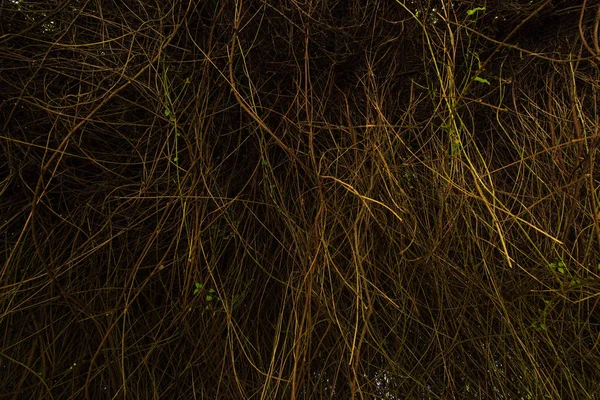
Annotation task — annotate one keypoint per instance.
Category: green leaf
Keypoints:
(561, 270)
(474, 10)
(175, 159)
(209, 297)
(211, 290)
(167, 112)
(478, 79)
(455, 146)
(543, 326)
(198, 287)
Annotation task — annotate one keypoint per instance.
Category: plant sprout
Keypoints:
(474, 10)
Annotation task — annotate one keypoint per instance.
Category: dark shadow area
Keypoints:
(323, 200)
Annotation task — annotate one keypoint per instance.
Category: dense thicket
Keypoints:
(278, 199)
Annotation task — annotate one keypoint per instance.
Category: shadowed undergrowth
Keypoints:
(267, 200)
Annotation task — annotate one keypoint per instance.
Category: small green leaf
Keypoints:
(209, 297)
(478, 79)
(553, 265)
(167, 112)
(474, 10)
(562, 264)
(543, 326)
(561, 270)
(455, 146)
(198, 287)
(211, 290)
(175, 159)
